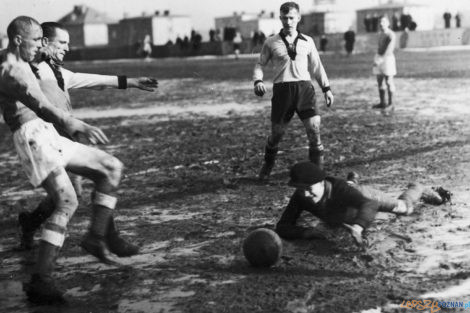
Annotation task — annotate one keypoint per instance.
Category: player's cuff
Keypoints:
(257, 81)
(326, 89)
(122, 82)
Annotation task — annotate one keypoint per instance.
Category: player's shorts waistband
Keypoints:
(297, 82)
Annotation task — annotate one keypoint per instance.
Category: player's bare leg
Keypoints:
(316, 149)
(390, 83)
(271, 149)
(30, 222)
(105, 171)
(41, 288)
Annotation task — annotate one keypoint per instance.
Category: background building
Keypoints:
(161, 28)
(86, 26)
(400, 16)
(247, 24)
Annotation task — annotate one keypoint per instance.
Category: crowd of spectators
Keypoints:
(447, 16)
(399, 22)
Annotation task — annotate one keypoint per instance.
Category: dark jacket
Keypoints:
(340, 204)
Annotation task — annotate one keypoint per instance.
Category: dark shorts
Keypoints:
(292, 97)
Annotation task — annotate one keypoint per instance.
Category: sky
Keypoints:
(202, 12)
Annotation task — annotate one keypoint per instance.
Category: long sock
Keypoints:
(46, 258)
(382, 96)
(270, 152)
(316, 154)
(103, 207)
(100, 220)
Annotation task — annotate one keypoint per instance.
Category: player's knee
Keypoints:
(316, 121)
(114, 170)
(313, 127)
(277, 134)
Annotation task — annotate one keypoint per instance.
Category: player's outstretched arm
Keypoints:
(143, 83)
(75, 80)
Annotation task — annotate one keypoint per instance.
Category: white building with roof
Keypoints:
(86, 26)
(162, 27)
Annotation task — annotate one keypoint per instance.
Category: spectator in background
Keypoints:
(406, 21)
(262, 38)
(404, 38)
(147, 47)
(447, 16)
(179, 42)
(237, 41)
(185, 44)
(349, 39)
(458, 20)
(196, 40)
(368, 23)
(255, 38)
(211, 35)
(396, 25)
(217, 35)
(375, 22)
(323, 43)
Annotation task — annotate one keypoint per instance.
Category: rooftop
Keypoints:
(82, 14)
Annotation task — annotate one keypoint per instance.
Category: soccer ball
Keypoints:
(262, 247)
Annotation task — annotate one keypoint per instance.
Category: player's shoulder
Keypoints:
(11, 66)
(43, 66)
(272, 38)
(7, 60)
(306, 37)
(390, 33)
(339, 185)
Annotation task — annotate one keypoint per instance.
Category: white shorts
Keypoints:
(384, 65)
(42, 150)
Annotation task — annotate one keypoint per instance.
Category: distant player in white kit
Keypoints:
(385, 65)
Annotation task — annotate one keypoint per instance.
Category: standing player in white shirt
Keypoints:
(295, 59)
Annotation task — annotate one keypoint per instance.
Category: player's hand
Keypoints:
(356, 233)
(260, 89)
(93, 134)
(378, 60)
(143, 83)
(329, 99)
